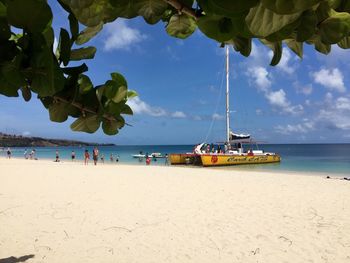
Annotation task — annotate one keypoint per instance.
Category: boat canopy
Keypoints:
(235, 136)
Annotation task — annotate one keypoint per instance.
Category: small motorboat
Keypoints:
(152, 155)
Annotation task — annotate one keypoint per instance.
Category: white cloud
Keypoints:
(121, 36)
(217, 117)
(343, 103)
(331, 79)
(279, 100)
(304, 128)
(335, 114)
(178, 114)
(261, 77)
(141, 107)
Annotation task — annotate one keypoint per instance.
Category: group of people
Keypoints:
(96, 156)
(30, 154)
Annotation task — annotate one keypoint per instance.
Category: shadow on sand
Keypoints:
(15, 260)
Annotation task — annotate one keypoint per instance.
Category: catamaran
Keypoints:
(233, 152)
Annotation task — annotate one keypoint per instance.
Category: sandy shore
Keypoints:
(65, 212)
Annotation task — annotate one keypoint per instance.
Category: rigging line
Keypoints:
(217, 103)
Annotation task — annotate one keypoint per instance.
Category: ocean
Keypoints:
(326, 158)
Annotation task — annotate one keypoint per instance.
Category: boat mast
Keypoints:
(227, 97)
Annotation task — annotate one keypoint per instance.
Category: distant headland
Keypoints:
(12, 140)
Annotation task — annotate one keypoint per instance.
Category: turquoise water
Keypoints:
(327, 158)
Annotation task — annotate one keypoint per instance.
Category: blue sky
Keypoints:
(181, 91)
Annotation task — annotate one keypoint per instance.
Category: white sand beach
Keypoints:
(68, 212)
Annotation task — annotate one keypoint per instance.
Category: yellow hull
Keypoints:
(181, 158)
(224, 160)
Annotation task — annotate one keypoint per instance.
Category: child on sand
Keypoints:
(86, 157)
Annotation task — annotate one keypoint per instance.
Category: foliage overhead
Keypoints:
(28, 62)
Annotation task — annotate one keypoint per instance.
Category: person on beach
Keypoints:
(73, 156)
(25, 154)
(111, 157)
(148, 160)
(102, 158)
(9, 153)
(166, 159)
(95, 155)
(117, 158)
(86, 157)
(57, 157)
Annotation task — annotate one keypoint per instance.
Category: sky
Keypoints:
(181, 87)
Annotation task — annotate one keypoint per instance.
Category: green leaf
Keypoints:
(64, 46)
(120, 94)
(26, 93)
(90, 123)
(242, 45)
(93, 12)
(85, 84)
(286, 7)
(5, 31)
(217, 27)
(307, 27)
(132, 94)
(57, 111)
(3, 10)
(47, 77)
(83, 53)
(126, 110)
(276, 47)
(119, 79)
(124, 8)
(74, 26)
(88, 33)
(151, 10)
(284, 32)
(227, 7)
(110, 127)
(335, 28)
(321, 47)
(263, 22)
(11, 78)
(33, 15)
(344, 43)
(295, 46)
(115, 91)
(181, 26)
(75, 71)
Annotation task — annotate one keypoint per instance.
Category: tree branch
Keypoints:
(83, 109)
(182, 8)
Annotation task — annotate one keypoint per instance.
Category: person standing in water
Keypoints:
(57, 156)
(95, 155)
(102, 158)
(86, 157)
(9, 153)
(73, 156)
